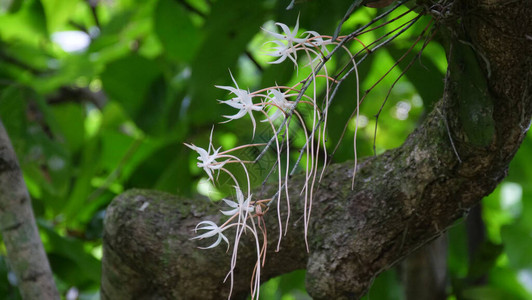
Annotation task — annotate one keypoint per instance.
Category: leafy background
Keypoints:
(89, 124)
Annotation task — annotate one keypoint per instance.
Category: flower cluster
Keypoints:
(287, 44)
(287, 109)
(277, 105)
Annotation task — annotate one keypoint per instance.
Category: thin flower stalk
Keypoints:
(242, 209)
(279, 182)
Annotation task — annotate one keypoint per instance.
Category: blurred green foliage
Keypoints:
(113, 114)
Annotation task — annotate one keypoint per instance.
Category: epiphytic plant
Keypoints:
(278, 105)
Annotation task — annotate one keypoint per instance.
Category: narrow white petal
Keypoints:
(231, 203)
(233, 104)
(238, 115)
(275, 35)
(231, 212)
(213, 244)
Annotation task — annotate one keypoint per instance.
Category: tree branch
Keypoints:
(25, 251)
(402, 199)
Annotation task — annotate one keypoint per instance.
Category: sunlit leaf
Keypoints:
(58, 12)
(28, 24)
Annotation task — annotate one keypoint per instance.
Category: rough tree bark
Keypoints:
(25, 251)
(402, 199)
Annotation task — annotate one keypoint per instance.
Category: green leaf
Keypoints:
(458, 252)
(293, 282)
(58, 12)
(69, 118)
(155, 116)
(71, 258)
(84, 172)
(13, 112)
(10, 6)
(28, 24)
(507, 280)
(125, 152)
(386, 287)
(70, 70)
(228, 31)
(174, 27)
(8, 291)
(344, 104)
(422, 72)
(126, 28)
(25, 57)
(174, 178)
(485, 293)
(128, 80)
(518, 245)
(163, 170)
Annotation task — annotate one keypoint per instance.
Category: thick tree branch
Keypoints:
(25, 251)
(402, 198)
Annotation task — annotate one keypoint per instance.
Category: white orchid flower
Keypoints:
(240, 206)
(243, 101)
(282, 51)
(289, 36)
(207, 161)
(239, 93)
(280, 102)
(286, 43)
(318, 42)
(212, 230)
